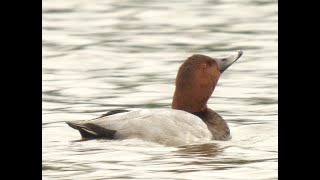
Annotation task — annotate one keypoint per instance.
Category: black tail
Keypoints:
(92, 131)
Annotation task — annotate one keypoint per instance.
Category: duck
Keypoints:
(189, 120)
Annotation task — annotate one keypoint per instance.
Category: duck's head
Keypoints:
(196, 80)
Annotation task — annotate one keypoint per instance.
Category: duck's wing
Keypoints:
(112, 113)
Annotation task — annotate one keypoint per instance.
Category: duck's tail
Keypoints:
(91, 131)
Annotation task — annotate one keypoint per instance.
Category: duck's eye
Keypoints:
(224, 59)
(204, 66)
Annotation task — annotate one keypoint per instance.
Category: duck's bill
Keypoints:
(226, 62)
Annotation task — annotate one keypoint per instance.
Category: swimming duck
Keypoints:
(189, 120)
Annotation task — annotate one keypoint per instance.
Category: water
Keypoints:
(103, 55)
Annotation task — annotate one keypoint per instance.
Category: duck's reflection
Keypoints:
(201, 150)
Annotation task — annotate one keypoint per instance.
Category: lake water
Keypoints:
(103, 55)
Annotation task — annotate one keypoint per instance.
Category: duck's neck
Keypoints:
(190, 101)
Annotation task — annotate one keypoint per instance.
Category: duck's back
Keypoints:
(165, 126)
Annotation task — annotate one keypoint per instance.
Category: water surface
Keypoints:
(103, 55)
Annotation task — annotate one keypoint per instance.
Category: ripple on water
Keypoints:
(106, 55)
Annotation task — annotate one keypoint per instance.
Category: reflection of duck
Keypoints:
(200, 150)
(188, 121)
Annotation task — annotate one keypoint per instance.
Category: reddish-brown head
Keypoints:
(196, 80)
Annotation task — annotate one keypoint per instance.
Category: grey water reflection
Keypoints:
(105, 55)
